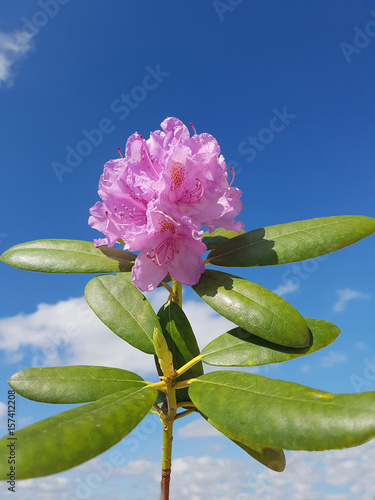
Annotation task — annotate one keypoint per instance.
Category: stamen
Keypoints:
(192, 126)
(111, 220)
(108, 217)
(119, 151)
(193, 196)
(131, 216)
(232, 170)
(164, 252)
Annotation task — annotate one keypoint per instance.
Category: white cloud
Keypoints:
(44, 488)
(332, 358)
(197, 429)
(332, 475)
(207, 477)
(140, 467)
(345, 295)
(3, 409)
(285, 288)
(13, 46)
(344, 474)
(68, 333)
(3, 420)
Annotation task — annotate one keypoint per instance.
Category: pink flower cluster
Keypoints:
(157, 198)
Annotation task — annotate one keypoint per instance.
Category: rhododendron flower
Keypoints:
(167, 247)
(157, 198)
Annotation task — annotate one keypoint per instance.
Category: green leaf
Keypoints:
(77, 435)
(273, 458)
(182, 343)
(124, 309)
(241, 348)
(293, 242)
(67, 256)
(220, 235)
(253, 308)
(278, 414)
(72, 384)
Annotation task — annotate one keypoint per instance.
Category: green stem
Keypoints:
(185, 404)
(177, 291)
(184, 383)
(184, 413)
(167, 420)
(188, 365)
(161, 386)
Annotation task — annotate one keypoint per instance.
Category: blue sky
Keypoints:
(68, 68)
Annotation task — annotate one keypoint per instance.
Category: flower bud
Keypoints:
(163, 353)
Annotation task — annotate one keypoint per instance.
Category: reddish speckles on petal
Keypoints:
(177, 176)
(136, 198)
(165, 251)
(166, 226)
(187, 194)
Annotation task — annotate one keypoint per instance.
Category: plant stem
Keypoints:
(165, 480)
(184, 413)
(167, 420)
(177, 292)
(166, 458)
(188, 365)
(158, 385)
(184, 383)
(168, 416)
(186, 404)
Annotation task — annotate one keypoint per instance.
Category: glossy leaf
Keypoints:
(220, 235)
(182, 343)
(292, 242)
(124, 309)
(67, 256)
(72, 384)
(241, 348)
(253, 308)
(278, 414)
(77, 435)
(273, 458)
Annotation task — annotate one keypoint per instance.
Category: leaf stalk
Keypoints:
(177, 292)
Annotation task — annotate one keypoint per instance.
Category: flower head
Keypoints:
(158, 197)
